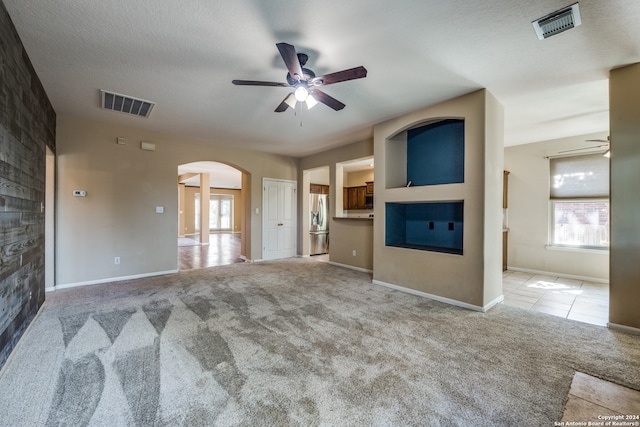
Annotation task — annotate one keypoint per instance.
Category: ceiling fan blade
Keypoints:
(327, 100)
(340, 76)
(285, 104)
(597, 140)
(290, 57)
(257, 83)
(282, 107)
(585, 148)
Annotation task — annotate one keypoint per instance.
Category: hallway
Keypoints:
(223, 249)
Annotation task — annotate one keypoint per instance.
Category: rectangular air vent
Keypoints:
(126, 104)
(557, 22)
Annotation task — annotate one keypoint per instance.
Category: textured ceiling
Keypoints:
(183, 54)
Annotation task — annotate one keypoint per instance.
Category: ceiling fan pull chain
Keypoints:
(300, 104)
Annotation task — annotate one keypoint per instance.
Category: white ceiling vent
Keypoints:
(126, 104)
(557, 22)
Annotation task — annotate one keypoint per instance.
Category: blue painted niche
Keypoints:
(427, 226)
(435, 153)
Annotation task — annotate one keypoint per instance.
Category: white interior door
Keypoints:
(278, 218)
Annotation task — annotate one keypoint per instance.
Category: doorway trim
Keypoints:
(244, 213)
(50, 221)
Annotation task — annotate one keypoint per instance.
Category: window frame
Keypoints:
(577, 194)
(578, 248)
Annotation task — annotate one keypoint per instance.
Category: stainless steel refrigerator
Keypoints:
(318, 224)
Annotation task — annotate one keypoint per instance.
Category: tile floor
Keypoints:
(223, 249)
(590, 399)
(572, 299)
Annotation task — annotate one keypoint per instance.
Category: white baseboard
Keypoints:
(623, 328)
(554, 274)
(351, 267)
(439, 298)
(114, 279)
(493, 303)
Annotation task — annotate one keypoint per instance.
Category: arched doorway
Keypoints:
(211, 215)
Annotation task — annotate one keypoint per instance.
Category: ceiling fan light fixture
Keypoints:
(291, 101)
(305, 82)
(301, 93)
(607, 154)
(311, 102)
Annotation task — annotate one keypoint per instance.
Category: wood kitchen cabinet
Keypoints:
(318, 189)
(369, 187)
(505, 189)
(345, 198)
(360, 195)
(505, 249)
(354, 197)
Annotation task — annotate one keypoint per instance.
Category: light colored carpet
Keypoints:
(295, 342)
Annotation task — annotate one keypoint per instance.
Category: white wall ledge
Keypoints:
(572, 249)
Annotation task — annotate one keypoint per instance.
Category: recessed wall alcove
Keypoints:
(426, 226)
(430, 153)
(438, 211)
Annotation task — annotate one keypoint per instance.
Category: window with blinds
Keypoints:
(579, 194)
(579, 177)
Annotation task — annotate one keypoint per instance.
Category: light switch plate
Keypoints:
(159, 209)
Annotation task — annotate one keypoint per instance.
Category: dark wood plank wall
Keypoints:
(27, 127)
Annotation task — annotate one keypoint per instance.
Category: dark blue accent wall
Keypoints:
(435, 226)
(435, 153)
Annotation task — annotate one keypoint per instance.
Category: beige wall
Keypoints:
(329, 158)
(190, 204)
(624, 102)
(320, 176)
(493, 184)
(528, 213)
(359, 178)
(473, 279)
(348, 235)
(124, 185)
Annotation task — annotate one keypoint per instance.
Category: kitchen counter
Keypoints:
(353, 218)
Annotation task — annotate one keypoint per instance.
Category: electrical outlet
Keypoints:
(353, 253)
(116, 260)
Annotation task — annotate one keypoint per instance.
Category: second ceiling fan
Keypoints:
(305, 82)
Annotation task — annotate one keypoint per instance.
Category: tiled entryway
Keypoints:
(591, 398)
(572, 299)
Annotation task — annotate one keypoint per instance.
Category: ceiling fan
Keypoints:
(604, 144)
(305, 82)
